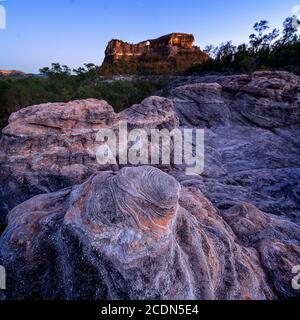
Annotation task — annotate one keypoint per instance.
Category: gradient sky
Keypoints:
(74, 32)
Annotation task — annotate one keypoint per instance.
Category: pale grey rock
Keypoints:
(200, 104)
(251, 140)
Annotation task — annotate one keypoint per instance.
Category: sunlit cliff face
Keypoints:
(10, 73)
(117, 48)
(173, 52)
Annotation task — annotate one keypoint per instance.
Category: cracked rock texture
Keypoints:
(87, 231)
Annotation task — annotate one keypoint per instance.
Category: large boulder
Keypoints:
(52, 146)
(137, 234)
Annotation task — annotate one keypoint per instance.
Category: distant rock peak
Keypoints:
(171, 52)
(11, 73)
(181, 40)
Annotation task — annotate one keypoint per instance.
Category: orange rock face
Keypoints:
(11, 73)
(172, 52)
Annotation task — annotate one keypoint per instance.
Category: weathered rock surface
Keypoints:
(153, 112)
(252, 124)
(268, 100)
(138, 235)
(167, 54)
(167, 45)
(52, 146)
(49, 147)
(231, 233)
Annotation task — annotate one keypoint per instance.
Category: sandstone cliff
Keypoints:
(11, 73)
(168, 54)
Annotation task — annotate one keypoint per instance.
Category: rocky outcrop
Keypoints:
(11, 73)
(138, 235)
(99, 232)
(251, 148)
(48, 147)
(268, 100)
(52, 146)
(153, 112)
(117, 49)
(170, 53)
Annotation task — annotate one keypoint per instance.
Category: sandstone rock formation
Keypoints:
(252, 151)
(11, 73)
(98, 232)
(48, 147)
(167, 54)
(138, 235)
(52, 146)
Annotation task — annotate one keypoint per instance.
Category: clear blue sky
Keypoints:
(74, 32)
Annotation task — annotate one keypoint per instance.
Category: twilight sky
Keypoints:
(74, 32)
